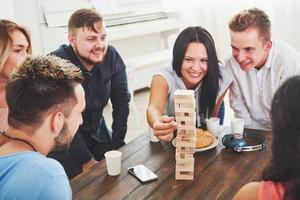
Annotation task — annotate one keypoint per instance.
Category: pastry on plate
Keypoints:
(203, 138)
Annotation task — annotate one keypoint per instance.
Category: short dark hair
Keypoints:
(285, 163)
(253, 17)
(40, 85)
(84, 18)
(210, 85)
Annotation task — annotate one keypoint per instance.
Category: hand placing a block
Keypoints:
(164, 127)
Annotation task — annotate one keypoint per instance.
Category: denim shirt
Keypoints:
(106, 80)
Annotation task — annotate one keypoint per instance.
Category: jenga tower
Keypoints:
(184, 101)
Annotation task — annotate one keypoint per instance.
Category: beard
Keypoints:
(87, 59)
(63, 140)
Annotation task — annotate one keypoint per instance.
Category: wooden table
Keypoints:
(219, 173)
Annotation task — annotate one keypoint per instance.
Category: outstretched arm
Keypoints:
(162, 125)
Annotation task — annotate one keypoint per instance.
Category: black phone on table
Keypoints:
(142, 173)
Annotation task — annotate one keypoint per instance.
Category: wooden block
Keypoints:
(185, 149)
(183, 105)
(180, 107)
(185, 118)
(183, 155)
(184, 101)
(187, 127)
(187, 114)
(184, 139)
(187, 123)
(185, 167)
(187, 133)
(185, 161)
(186, 136)
(185, 110)
(184, 93)
(184, 96)
(182, 122)
(189, 101)
(185, 144)
(184, 175)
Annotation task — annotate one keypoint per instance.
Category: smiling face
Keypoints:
(18, 53)
(194, 65)
(249, 49)
(90, 46)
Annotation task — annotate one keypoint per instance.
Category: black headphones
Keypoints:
(250, 142)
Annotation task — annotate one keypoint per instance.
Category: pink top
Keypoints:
(270, 190)
(3, 118)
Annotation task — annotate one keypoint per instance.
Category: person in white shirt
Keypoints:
(259, 64)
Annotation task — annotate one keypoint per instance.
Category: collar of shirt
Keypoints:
(267, 64)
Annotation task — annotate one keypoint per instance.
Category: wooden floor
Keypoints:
(137, 127)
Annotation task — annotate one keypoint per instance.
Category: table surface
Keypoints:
(219, 173)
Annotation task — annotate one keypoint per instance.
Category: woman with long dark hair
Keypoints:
(281, 178)
(195, 67)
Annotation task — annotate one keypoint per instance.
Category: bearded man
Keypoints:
(105, 79)
(45, 102)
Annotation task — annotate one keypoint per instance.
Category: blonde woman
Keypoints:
(15, 45)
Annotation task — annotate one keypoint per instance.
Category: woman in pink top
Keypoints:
(15, 44)
(281, 177)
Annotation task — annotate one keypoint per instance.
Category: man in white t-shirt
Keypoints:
(259, 64)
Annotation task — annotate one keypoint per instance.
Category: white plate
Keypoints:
(213, 145)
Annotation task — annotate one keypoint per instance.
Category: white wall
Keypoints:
(214, 15)
(25, 13)
(211, 14)
(7, 10)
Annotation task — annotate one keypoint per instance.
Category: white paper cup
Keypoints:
(113, 162)
(152, 137)
(212, 125)
(237, 127)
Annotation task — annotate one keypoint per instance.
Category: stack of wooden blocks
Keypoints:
(184, 101)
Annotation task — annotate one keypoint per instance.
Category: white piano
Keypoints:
(141, 30)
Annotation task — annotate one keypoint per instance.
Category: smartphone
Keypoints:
(142, 173)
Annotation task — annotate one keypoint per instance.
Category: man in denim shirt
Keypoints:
(105, 78)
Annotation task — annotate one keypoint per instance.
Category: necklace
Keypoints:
(19, 139)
